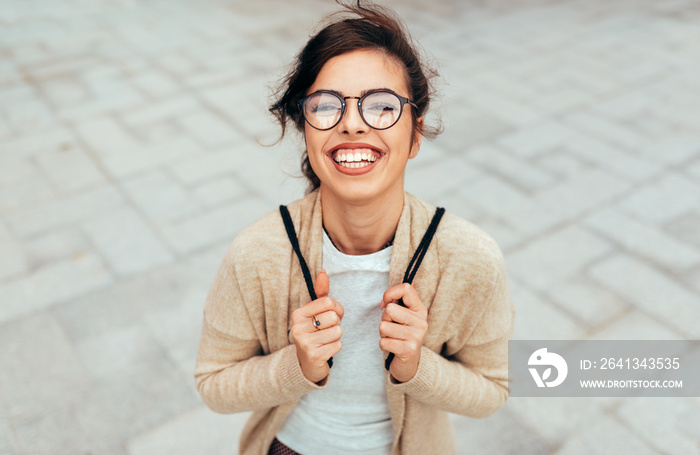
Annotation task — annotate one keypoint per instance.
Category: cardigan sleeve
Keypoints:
(474, 380)
(232, 373)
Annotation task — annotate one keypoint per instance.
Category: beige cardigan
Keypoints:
(247, 359)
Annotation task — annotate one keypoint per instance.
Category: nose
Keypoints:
(351, 122)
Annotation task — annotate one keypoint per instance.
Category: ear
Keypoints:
(417, 137)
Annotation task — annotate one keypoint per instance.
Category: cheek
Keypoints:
(314, 144)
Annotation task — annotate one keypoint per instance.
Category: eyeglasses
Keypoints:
(379, 109)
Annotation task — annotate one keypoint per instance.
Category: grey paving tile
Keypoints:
(134, 400)
(636, 325)
(41, 371)
(505, 109)
(205, 166)
(30, 114)
(562, 163)
(537, 319)
(254, 120)
(155, 83)
(218, 191)
(464, 129)
(51, 284)
(667, 424)
(626, 165)
(608, 436)
(664, 200)
(127, 243)
(580, 193)
(563, 100)
(8, 443)
(198, 430)
(22, 185)
(147, 157)
(160, 197)
(627, 105)
(63, 91)
(178, 327)
(65, 211)
(215, 226)
(111, 352)
(209, 129)
(113, 409)
(547, 261)
(126, 301)
(56, 245)
(497, 198)
(15, 260)
(604, 129)
(506, 236)
(587, 300)
(694, 170)
(651, 291)
(452, 172)
(537, 138)
(556, 419)
(60, 433)
(673, 148)
(500, 434)
(170, 108)
(515, 170)
(70, 170)
(280, 171)
(642, 239)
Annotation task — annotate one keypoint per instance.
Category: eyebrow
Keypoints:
(362, 93)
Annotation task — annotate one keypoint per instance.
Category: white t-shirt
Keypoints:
(351, 414)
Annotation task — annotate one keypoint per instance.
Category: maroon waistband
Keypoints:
(277, 448)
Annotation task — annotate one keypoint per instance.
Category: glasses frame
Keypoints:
(359, 99)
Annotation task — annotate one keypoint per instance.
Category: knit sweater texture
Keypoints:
(247, 359)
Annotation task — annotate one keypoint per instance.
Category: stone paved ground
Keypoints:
(129, 159)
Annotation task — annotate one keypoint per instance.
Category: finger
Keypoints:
(406, 292)
(329, 350)
(322, 284)
(317, 306)
(400, 315)
(320, 338)
(325, 320)
(396, 331)
(400, 348)
(322, 287)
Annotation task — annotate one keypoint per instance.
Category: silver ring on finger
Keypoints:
(316, 322)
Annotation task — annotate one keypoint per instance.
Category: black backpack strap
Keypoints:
(418, 256)
(291, 233)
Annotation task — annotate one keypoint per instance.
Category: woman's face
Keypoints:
(383, 153)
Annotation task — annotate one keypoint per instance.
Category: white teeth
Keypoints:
(354, 165)
(355, 159)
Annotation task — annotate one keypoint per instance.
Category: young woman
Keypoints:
(356, 324)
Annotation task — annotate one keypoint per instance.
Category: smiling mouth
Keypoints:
(355, 158)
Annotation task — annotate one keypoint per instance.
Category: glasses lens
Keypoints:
(381, 109)
(322, 110)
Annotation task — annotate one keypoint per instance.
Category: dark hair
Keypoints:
(375, 27)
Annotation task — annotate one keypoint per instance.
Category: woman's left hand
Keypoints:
(402, 330)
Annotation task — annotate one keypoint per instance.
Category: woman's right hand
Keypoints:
(315, 345)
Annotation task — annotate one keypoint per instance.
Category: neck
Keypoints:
(361, 228)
